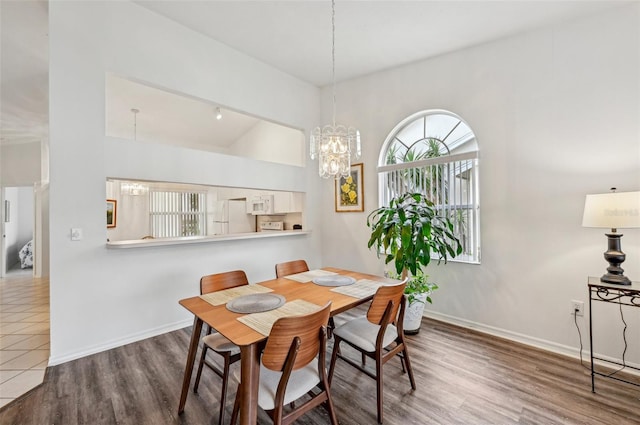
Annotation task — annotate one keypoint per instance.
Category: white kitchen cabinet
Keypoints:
(287, 202)
(281, 202)
(297, 202)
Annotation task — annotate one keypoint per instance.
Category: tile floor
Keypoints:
(24, 333)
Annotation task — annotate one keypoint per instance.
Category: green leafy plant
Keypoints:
(418, 284)
(409, 231)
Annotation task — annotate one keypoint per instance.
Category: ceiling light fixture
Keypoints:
(133, 188)
(135, 122)
(218, 114)
(334, 144)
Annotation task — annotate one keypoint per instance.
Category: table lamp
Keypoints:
(615, 210)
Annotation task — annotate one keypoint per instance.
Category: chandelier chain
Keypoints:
(333, 56)
(334, 144)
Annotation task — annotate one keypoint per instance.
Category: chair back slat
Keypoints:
(291, 267)
(220, 281)
(306, 328)
(381, 299)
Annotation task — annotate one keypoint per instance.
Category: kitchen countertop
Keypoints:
(144, 243)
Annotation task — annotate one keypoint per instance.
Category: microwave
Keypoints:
(261, 205)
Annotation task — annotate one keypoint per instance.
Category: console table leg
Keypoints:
(593, 376)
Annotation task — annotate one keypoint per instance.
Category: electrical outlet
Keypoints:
(76, 234)
(577, 307)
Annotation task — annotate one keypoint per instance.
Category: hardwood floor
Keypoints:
(463, 377)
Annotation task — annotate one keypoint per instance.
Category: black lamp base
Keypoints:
(614, 257)
(615, 279)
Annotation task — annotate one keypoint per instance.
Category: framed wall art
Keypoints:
(112, 212)
(350, 191)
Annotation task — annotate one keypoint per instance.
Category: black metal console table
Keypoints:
(610, 293)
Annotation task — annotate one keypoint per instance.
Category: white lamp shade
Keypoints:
(616, 210)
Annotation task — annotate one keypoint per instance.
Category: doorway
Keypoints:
(18, 219)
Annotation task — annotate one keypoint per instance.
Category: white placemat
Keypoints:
(224, 296)
(361, 289)
(308, 275)
(263, 322)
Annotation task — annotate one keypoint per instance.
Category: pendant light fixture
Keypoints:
(334, 144)
(135, 123)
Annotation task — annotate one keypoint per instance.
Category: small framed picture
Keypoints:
(112, 212)
(350, 191)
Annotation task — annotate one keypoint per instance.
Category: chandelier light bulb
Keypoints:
(218, 114)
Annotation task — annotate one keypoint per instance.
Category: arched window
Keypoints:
(435, 153)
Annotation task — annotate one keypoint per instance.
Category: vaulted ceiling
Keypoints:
(293, 36)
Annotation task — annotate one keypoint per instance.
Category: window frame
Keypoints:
(449, 165)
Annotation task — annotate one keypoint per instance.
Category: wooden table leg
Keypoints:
(250, 373)
(191, 357)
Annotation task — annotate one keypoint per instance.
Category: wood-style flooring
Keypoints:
(463, 377)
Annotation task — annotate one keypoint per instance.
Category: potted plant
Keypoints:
(418, 292)
(408, 232)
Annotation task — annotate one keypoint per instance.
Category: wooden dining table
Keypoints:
(250, 341)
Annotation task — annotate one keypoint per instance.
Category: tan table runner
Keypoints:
(361, 289)
(308, 276)
(224, 296)
(263, 322)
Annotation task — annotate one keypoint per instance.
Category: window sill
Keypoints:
(145, 243)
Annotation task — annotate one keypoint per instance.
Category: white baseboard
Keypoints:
(529, 340)
(491, 330)
(56, 360)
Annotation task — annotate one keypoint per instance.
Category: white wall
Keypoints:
(20, 164)
(10, 232)
(41, 230)
(25, 215)
(271, 142)
(19, 230)
(102, 298)
(556, 113)
(132, 214)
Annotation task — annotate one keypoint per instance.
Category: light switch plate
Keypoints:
(76, 234)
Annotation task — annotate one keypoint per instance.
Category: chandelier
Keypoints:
(133, 188)
(334, 145)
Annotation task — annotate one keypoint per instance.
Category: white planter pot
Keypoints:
(413, 314)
